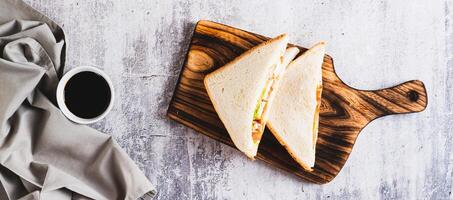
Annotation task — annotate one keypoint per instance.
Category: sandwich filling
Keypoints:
(316, 118)
(258, 123)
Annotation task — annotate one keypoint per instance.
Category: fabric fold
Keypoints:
(42, 154)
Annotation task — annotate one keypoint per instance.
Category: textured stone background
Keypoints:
(375, 44)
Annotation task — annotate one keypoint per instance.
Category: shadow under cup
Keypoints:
(85, 95)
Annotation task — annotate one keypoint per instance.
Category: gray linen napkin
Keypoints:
(42, 154)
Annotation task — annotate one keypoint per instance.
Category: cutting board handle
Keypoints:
(407, 97)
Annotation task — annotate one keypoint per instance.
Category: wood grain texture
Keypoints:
(345, 111)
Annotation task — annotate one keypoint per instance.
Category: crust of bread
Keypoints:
(316, 121)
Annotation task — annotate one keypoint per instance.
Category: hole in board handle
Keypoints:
(412, 95)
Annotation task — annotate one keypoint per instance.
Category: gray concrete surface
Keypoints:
(141, 45)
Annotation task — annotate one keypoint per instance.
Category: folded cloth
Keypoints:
(42, 154)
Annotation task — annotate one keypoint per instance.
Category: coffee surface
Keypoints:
(87, 95)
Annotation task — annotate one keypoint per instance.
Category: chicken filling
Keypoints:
(258, 123)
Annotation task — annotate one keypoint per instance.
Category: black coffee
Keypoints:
(87, 95)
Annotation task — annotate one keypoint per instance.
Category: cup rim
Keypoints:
(60, 94)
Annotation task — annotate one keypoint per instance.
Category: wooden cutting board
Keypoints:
(345, 111)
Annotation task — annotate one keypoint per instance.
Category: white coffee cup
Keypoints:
(61, 96)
